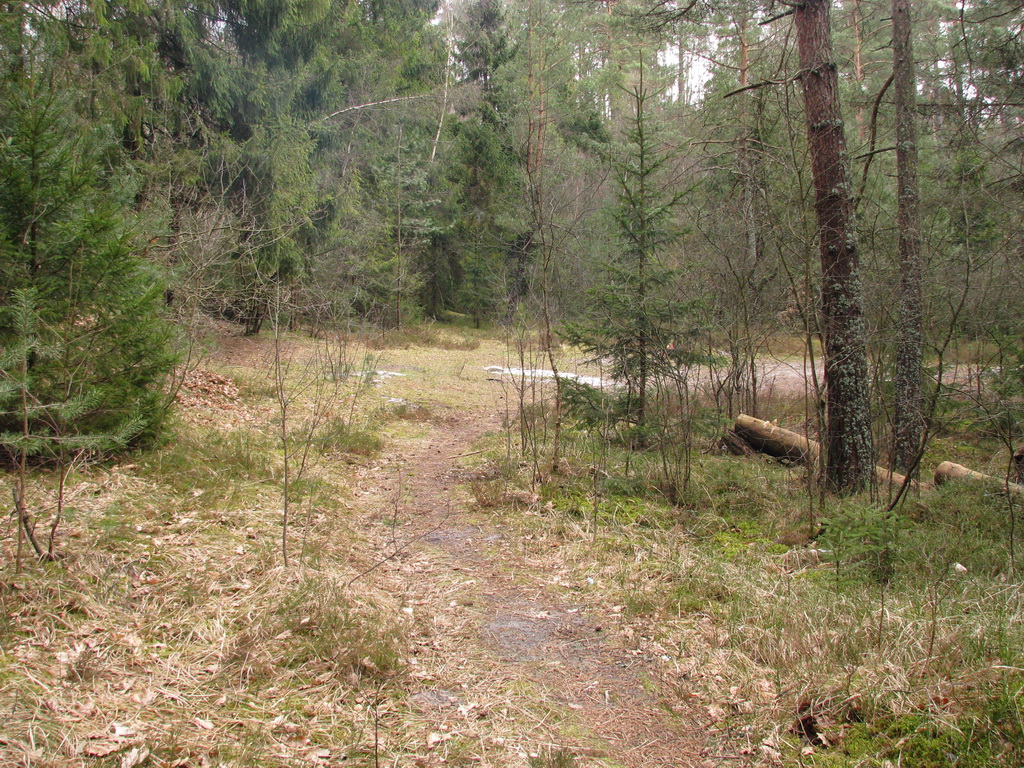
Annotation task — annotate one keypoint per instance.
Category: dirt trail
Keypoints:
(503, 659)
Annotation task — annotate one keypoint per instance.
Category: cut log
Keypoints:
(948, 470)
(768, 438)
(736, 445)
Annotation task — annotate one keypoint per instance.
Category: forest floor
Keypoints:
(441, 608)
(513, 652)
(418, 623)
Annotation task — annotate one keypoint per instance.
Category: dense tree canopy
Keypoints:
(379, 161)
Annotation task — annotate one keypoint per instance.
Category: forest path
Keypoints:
(511, 668)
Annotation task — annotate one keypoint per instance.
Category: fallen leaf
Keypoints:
(436, 738)
(771, 753)
(206, 725)
(88, 708)
(137, 756)
(716, 712)
(101, 748)
(145, 698)
(132, 640)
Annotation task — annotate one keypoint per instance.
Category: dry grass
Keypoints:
(171, 634)
(171, 628)
(758, 631)
(429, 336)
(901, 635)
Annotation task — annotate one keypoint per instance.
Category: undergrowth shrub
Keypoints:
(488, 493)
(862, 539)
(650, 459)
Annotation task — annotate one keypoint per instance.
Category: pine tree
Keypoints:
(908, 410)
(848, 435)
(481, 168)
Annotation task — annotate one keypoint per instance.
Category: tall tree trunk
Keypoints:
(858, 69)
(749, 159)
(399, 273)
(908, 425)
(608, 55)
(683, 67)
(849, 445)
(537, 187)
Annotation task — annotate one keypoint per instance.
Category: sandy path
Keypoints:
(503, 661)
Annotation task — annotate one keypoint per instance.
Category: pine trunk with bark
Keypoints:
(849, 445)
(908, 424)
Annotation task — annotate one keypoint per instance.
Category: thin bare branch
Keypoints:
(374, 104)
(778, 16)
(763, 83)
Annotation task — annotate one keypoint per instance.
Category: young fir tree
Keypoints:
(46, 428)
(70, 259)
(636, 322)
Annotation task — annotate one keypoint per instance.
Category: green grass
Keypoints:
(992, 737)
(443, 337)
(211, 460)
(339, 436)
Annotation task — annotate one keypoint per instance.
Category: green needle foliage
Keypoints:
(44, 426)
(85, 348)
(636, 320)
